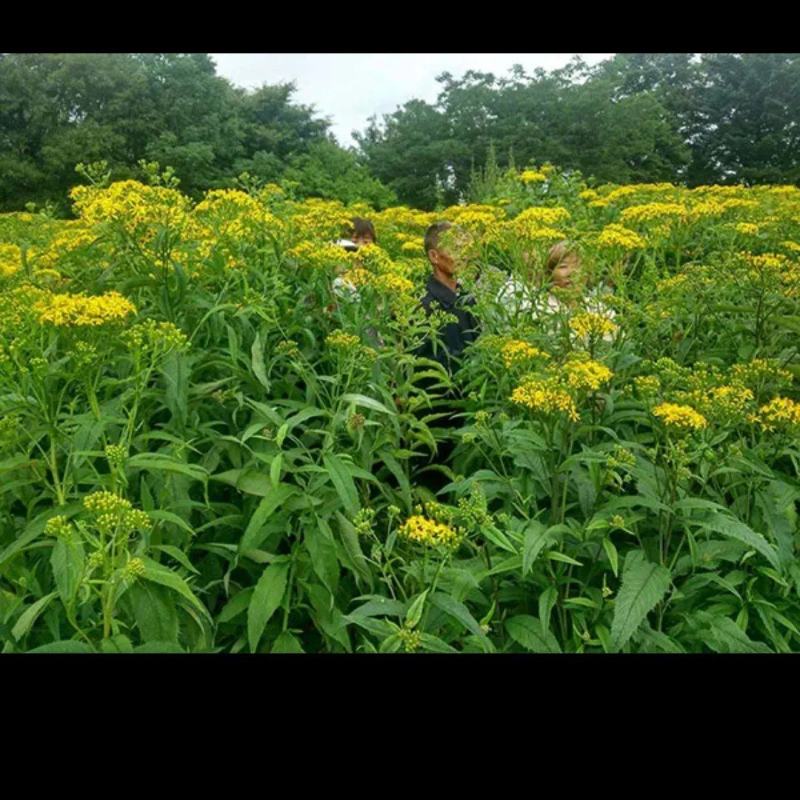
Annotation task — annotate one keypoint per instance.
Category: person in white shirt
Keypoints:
(361, 233)
(562, 273)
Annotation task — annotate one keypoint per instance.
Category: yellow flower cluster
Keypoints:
(516, 352)
(10, 259)
(82, 310)
(59, 526)
(722, 404)
(590, 324)
(541, 215)
(653, 211)
(320, 220)
(747, 228)
(532, 176)
(393, 284)
(426, 531)
(156, 336)
(63, 243)
(104, 502)
(680, 417)
(615, 235)
(781, 414)
(339, 340)
(545, 396)
(131, 203)
(647, 385)
(318, 256)
(758, 371)
(584, 374)
(134, 569)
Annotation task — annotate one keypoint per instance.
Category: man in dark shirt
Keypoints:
(442, 245)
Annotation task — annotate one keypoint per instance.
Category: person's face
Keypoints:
(363, 239)
(567, 273)
(451, 254)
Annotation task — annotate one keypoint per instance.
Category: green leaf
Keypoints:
(174, 519)
(547, 600)
(723, 635)
(257, 362)
(157, 573)
(30, 614)
(286, 642)
(159, 647)
(64, 646)
(67, 561)
(528, 632)
(536, 538)
(554, 555)
(368, 402)
(35, 528)
(155, 612)
(343, 483)
(178, 555)
(643, 585)
(155, 462)
(460, 612)
(415, 610)
(613, 556)
(433, 644)
(265, 602)
(238, 603)
(736, 529)
(321, 547)
(275, 469)
(253, 535)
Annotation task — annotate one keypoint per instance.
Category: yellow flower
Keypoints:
(589, 323)
(532, 176)
(393, 284)
(653, 211)
(426, 531)
(619, 236)
(10, 259)
(586, 374)
(780, 413)
(747, 228)
(647, 384)
(82, 310)
(545, 396)
(517, 352)
(339, 340)
(680, 417)
(540, 215)
(759, 370)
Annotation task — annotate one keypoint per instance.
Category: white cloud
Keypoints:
(350, 87)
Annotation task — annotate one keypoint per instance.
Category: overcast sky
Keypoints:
(350, 87)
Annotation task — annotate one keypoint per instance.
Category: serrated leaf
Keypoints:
(265, 601)
(343, 483)
(461, 613)
(528, 632)
(253, 534)
(536, 537)
(736, 529)
(368, 402)
(644, 584)
(30, 615)
(415, 610)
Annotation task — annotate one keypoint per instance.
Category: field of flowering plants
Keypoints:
(205, 448)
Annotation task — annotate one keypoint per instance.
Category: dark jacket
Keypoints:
(455, 336)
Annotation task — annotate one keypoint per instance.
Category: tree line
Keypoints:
(685, 118)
